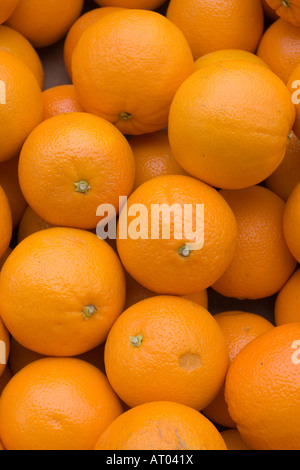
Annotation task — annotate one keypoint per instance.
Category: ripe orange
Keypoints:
(161, 426)
(143, 4)
(166, 348)
(153, 157)
(61, 290)
(128, 66)
(56, 404)
(31, 223)
(72, 163)
(135, 292)
(293, 86)
(212, 26)
(5, 223)
(4, 346)
(262, 263)
(6, 9)
(291, 222)
(9, 181)
(78, 28)
(280, 48)
(284, 179)
(287, 305)
(19, 357)
(161, 247)
(46, 22)
(262, 390)
(289, 10)
(60, 100)
(13, 42)
(227, 54)
(246, 144)
(21, 106)
(233, 440)
(238, 328)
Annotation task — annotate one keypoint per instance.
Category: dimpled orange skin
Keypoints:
(45, 23)
(229, 124)
(291, 222)
(66, 150)
(61, 290)
(5, 223)
(285, 178)
(5, 346)
(6, 9)
(227, 54)
(157, 262)
(262, 263)
(289, 10)
(127, 68)
(239, 328)
(182, 355)
(153, 157)
(60, 100)
(161, 426)
(280, 48)
(31, 223)
(23, 109)
(78, 28)
(57, 404)
(287, 304)
(135, 293)
(143, 4)
(262, 390)
(9, 181)
(211, 26)
(14, 43)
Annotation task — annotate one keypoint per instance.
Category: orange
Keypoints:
(78, 28)
(72, 163)
(233, 440)
(5, 223)
(73, 280)
(4, 346)
(153, 157)
(289, 10)
(280, 48)
(293, 86)
(56, 404)
(291, 222)
(128, 66)
(227, 54)
(9, 181)
(262, 390)
(161, 426)
(21, 106)
(166, 348)
(238, 328)
(262, 263)
(212, 26)
(135, 292)
(164, 247)
(60, 100)
(19, 357)
(284, 179)
(242, 146)
(13, 42)
(287, 305)
(143, 4)
(6, 9)
(31, 223)
(44, 23)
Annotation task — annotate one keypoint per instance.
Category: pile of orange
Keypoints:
(149, 225)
